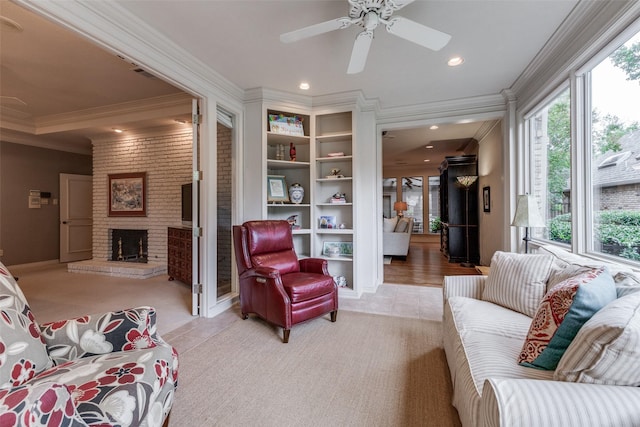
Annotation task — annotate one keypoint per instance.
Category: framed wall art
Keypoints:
(128, 194)
(277, 189)
(486, 199)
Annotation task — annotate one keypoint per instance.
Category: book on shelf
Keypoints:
(338, 198)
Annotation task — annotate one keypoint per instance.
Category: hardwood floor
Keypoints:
(425, 266)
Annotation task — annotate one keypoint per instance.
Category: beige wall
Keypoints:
(166, 158)
(490, 172)
(32, 235)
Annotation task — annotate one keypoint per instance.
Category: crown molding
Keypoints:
(126, 112)
(590, 26)
(15, 137)
(480, 107)
(286, 99)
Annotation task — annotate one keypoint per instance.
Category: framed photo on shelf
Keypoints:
(128, 194)
(328, 221)
(277, 189)
(486, 199)
(344, 249)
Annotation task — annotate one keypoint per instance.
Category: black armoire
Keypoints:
(453, 239)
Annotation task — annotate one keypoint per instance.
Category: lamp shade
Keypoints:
(467, 180)
(400, 206)
(527, 212)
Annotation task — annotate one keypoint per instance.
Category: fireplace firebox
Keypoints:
(129, 245)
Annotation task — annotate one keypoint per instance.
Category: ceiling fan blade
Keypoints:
(314, 30)
(360, 51)
(417, 33)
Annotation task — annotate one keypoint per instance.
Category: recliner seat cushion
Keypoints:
(304, 286)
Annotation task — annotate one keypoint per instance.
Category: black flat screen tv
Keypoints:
(187, 204)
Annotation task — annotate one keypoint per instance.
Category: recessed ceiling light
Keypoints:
(428, 146)
(181, 121)
(434, 127)
(426, 160)
(455, 61)
(116, 130)
(304, 86)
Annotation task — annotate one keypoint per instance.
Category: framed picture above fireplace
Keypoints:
(128, 194)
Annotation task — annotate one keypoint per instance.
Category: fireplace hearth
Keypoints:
(129, 245)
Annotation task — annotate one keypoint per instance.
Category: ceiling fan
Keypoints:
(369, 14)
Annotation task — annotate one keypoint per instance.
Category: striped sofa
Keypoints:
(484, 335)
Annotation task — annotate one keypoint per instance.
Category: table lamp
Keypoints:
(400, 207)
(527, 215)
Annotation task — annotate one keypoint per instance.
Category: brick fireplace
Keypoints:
(129, 245)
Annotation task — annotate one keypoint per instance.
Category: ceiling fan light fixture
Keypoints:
(455, 61)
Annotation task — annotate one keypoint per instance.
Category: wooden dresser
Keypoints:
(179, 241)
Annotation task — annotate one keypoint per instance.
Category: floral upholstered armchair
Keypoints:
(108, 369)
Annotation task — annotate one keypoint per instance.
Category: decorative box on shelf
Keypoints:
(286, 125)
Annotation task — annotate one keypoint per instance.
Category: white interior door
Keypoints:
(196, 285)
(76, 217)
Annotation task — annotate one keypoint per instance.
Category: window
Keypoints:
(550, 142)
(412, 194)
(614, 148)
(606, 169)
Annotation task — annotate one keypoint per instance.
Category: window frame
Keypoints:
(578, 81)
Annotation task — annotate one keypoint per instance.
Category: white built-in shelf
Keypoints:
(334, 137)
(301, 231)
(346, 178)
(337, 258)
(287, 205)
(335, 231)
(281, 138)
(335, 159)
(286, 164)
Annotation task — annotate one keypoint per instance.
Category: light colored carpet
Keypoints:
(363, 370)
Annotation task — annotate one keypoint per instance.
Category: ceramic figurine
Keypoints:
(296, 193)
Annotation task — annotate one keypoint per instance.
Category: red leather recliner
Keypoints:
(274, 284)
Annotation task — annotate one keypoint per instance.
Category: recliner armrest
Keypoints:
(34, 400)
(130, 329)
(314, 265)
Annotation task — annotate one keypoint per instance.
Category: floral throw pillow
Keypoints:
(561, 314)
(22, 351)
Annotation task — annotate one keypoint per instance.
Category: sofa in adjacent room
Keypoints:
(107, 369)
(547, 339)
(396, 236)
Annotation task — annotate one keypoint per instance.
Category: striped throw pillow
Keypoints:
(607, 348)
(517, 281)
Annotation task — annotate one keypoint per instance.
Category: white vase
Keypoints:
(296, 193)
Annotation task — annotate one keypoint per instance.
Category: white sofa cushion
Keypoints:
(607, 348)
(389, 224)
(517, 281)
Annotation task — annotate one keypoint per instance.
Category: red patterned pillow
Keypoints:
(561, 314)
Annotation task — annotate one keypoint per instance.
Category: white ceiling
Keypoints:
(59, 75)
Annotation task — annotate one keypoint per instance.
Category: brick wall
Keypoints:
(621, 197)
(167, 161)
(224, 174)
